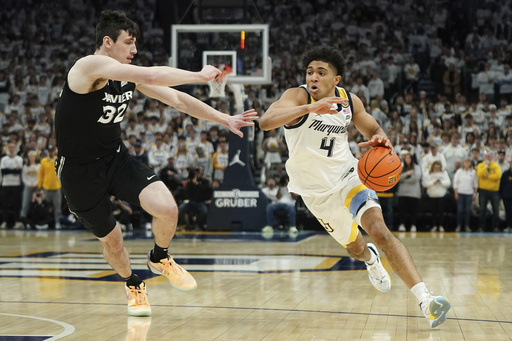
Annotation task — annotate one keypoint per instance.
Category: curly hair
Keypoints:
(325, 54)
(111, 24)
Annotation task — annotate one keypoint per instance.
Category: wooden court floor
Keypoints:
(56, 285)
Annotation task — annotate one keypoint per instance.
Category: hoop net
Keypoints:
(218, 88)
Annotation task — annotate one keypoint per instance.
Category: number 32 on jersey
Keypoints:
(112, 114)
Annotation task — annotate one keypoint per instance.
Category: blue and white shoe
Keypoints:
(379, 277)
(435, 309)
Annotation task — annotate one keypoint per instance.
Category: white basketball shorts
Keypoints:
(340, 212)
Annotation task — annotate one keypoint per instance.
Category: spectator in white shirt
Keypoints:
(359, 86)
(432, 156)
(486, 80)
(465, 187)
(412, 73)
(502, 162)
(505, 81)
(437, 182)
(375, 85)
(454, 152)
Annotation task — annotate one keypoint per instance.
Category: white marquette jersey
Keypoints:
(319, 153)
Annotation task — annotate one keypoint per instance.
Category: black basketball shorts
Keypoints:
(88, 186)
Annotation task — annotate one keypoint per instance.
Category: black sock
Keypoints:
(158, 253)
(133, 281)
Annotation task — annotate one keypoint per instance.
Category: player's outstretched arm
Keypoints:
(194, 107)
(293, 105)
(96, 67)
(368, 126)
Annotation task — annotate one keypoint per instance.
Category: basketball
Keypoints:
(379, 169)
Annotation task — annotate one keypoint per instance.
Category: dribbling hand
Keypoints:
(378, 140)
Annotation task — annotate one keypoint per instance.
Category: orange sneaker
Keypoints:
(179, 277)
(138, 304)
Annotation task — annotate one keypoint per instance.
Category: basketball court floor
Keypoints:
(56, 285)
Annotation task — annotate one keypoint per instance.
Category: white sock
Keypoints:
(420, 291)
(373, 258)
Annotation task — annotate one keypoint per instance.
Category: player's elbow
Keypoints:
(151, 78)
(265, 123)
(179, 105)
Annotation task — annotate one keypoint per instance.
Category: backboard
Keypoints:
(243, 47)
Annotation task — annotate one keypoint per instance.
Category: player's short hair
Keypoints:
(326, 54)
(111, 24)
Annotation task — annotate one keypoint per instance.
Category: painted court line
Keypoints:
(68, 329)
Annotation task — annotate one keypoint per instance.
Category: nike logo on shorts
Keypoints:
(118, 149)
(150, 177)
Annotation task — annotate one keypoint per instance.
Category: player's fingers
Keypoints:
(337, 100)
(251, 118)
(219, 77)
(210, 72)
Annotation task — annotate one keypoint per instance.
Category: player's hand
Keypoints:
(210, 72)
(242, 120)
(377, 140)
(327, 105)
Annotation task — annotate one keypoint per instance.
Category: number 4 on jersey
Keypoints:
(329, 146)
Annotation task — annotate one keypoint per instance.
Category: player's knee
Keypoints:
(113, 245)
(380, 234)
(166, 211)
(356, 250)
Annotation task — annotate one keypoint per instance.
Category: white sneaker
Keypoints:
(433, 229)
(267, 232)
(401, 228)
(413, 228)
(267, 229)
(441, 229)
(293, 232)
(435, 309)
(379, 277)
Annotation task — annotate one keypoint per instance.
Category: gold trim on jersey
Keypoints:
(338, 92)
(352, 194)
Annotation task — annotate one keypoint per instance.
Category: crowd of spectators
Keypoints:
(435, 75)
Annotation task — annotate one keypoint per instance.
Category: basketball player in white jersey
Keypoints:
(322, 169)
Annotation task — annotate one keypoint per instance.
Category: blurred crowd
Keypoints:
(435, 75)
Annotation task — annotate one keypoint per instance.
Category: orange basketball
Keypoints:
(379, 169)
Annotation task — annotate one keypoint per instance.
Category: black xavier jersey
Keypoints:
(88, 126)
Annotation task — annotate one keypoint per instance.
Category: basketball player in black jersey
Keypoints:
(93, 162)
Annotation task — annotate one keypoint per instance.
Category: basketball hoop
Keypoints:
(218, 87)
